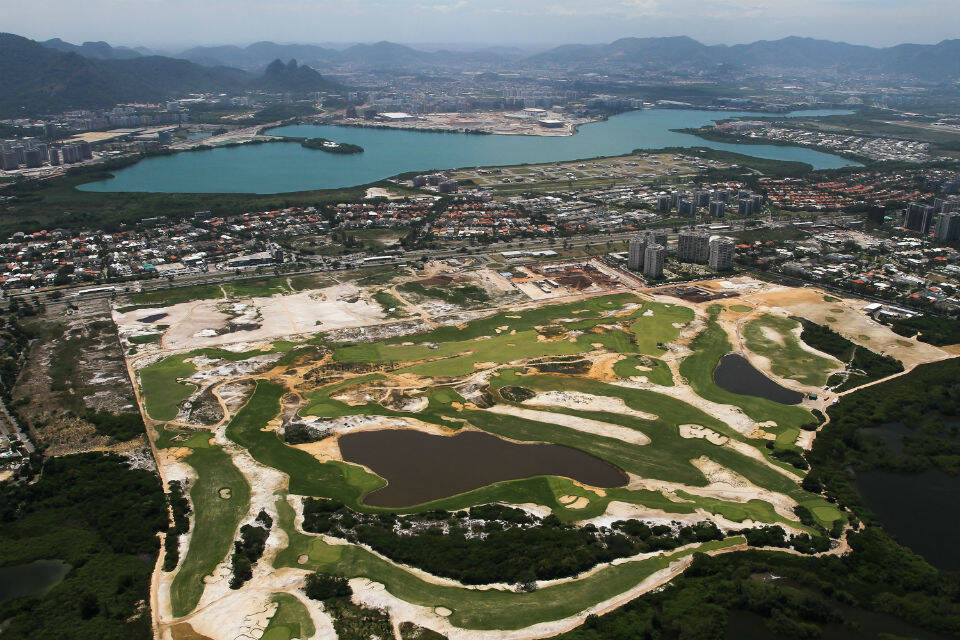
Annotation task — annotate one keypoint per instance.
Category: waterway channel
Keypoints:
(286, 166)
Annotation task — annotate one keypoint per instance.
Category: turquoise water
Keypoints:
(283, 167)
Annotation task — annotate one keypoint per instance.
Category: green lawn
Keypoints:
(709, 347)
(216, 519)
(292, 620)
(162, 391)
(659, 374)
(167, 297)
(257, 287)
(788, 358)
(651, 331)
(472, 608)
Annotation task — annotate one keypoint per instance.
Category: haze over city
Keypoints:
(180, 23)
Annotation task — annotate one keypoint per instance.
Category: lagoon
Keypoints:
(286, 166)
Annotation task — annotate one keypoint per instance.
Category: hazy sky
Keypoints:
(176, 23)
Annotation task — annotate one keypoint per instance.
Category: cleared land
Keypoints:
(624, 378)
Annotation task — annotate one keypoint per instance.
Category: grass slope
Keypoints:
(471, 608)
(215, 523)
(292, 620)
(787, 357)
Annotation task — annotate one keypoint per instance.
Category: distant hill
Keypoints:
(930, 62)
(259, 54)
(97, 50)
(292, 77)
(37, 78)
(378, 55)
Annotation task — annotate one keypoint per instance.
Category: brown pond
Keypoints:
(420, 467)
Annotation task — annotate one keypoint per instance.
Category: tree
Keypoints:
(321, 586)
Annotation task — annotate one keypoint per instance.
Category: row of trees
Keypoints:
(494, 543)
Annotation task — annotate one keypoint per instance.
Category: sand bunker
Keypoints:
(585, 425)
(697, 431)
(587, 402)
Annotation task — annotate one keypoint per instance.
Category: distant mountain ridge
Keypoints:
(99, 50)
(377, 55)
(37, 78)
(924, 61)
(941, 60)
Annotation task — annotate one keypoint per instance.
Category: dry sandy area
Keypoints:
(697, 431)
(306, 312)
(847, 318)
(586, 402)
(586, 425)
(730, 414)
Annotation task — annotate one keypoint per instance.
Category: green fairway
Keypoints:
(220, 498)
(666, 458)
(655, 371)
(472, 608)
(292, 620)
(654, 326)
(507, 337)
(711, 345)
(162, 391)
(774, 338)
(167, 437)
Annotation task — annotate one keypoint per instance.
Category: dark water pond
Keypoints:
(912, 506)
(736, 375)
(891, 433)
(33, 579)
(420, 467)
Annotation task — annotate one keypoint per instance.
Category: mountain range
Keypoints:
(928, 62)
(39, 78)
(793, 54)
(55, 75)
(380, 55)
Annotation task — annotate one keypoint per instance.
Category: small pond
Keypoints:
(735, 374)
(420, 467)
(33, 579)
